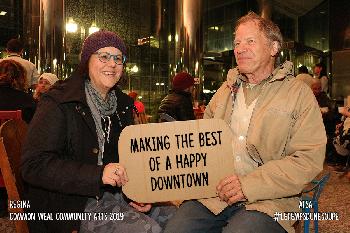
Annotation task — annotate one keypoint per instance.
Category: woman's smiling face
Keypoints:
(104, 75)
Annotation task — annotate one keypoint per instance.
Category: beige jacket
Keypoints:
(286, 132)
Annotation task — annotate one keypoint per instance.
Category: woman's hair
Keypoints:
(271, 30)
(13, 74)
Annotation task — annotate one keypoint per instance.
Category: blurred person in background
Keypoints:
(14, 48)
(303, 75)
(45, 82)
(178, 103)
(320, 72)
(12, 86)
(330, 116)
(139, 110)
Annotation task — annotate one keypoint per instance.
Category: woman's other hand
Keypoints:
(114, 174)
(141, 207)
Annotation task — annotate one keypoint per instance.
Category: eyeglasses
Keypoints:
(105, 57)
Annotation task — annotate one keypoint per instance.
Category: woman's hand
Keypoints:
(114, 174)
(141, 206)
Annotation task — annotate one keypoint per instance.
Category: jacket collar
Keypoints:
(184, 93)
(281, 72)
(71, 90)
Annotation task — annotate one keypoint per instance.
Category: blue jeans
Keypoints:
(193, 217)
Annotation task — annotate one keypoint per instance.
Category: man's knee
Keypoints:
(245, 221)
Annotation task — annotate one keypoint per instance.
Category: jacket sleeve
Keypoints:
(45, 160)
(305, 152)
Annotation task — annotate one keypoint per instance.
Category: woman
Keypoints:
(12, 97)
(70, 159)
(12, 86)
(320, 72)
(45, 82)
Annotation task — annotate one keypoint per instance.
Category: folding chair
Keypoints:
(12, 134)
(310, 196)
(4, 116)
(7, 115)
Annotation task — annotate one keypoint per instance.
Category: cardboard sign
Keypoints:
(179, 160)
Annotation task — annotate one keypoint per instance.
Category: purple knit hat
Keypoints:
(182, 80)
(97, 40)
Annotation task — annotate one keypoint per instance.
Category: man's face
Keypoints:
(253, 51)
(316, 88)
(317, 70)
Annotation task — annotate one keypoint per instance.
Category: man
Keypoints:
(178, 103)
(14, 49)
(304, 75)
(278, 140)
(330, 117)
(327, 107)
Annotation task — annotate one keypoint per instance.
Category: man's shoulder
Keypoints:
(21, 60)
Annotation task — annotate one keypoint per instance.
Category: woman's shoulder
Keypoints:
(70, 90)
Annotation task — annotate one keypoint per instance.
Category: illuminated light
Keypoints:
(208, 91)
(93, 28)
(282, 53)
(162, 84)
(54, 62)
(176, 38)
(169, 38)
(135, 69)
(71, 26)
(3, 12)
(139, 97)
(157, 84)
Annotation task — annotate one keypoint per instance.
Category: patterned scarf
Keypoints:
(101, 110)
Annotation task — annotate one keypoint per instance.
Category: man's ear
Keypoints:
(275, 48)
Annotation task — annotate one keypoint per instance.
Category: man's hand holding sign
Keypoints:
(179, 161)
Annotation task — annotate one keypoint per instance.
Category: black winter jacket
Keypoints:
(177, 104)
(12, 99)
(59, 162)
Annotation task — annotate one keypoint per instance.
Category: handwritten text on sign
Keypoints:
(175, 160)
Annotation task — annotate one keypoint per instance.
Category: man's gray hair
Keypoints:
(270, 29)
